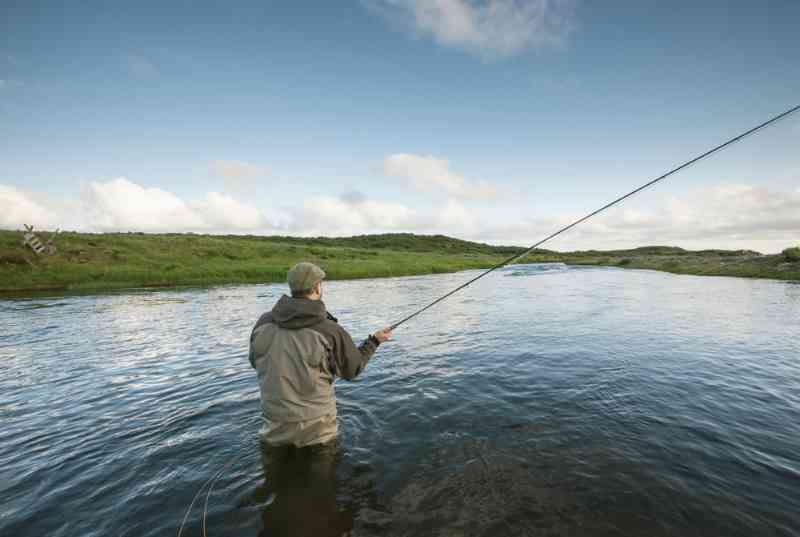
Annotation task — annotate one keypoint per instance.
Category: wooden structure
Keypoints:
(31, 240)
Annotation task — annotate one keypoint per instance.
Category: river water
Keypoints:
(542, 400)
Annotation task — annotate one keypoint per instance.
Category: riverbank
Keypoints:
(123, 260)
(736, 263)
(85, 261)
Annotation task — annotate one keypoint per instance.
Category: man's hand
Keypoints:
(383, 335)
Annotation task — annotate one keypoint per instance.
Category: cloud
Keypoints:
(722, 216)
(431, 174)
(353, 197)
(351, 214)
(121, 205)
(238, 176)
(488, 28)
(221, 212)
(455, 216)
(735, 210)
(18, 208)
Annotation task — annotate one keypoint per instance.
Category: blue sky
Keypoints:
(487, 120)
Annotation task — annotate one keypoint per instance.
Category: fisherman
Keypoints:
(298, 349)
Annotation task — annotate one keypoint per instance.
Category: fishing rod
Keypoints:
(601, 209)
(210, 483)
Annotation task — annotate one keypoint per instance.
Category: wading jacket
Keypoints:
(298, 349)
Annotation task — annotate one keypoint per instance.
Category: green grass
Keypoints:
(792, 255)
(123, 260)
(740, 263)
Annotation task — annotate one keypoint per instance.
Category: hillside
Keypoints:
(87, 261)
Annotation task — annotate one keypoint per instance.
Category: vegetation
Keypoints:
(122, 260)
(792, 255)
(741, 263)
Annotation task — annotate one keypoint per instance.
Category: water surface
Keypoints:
(542, 400)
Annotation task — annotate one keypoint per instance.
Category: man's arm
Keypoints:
(347, 359)
(351, 360)
(264, 319)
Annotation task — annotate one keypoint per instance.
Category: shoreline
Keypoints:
(118, 261)
(22, 293)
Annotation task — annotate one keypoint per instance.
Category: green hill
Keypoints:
(120, 260)
(86, 261)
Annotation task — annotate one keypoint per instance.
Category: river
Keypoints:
(542, 400)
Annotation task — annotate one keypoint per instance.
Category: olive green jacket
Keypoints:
(298, 349)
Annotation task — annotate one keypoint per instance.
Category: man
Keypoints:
(298, 349)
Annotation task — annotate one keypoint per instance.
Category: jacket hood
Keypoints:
(291, 312)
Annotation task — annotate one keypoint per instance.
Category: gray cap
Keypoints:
(303, 276)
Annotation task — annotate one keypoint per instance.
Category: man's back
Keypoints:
(297, 350)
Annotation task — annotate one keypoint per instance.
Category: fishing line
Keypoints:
(210, 490)
(210, 483)
(211, 480)
(601, 209)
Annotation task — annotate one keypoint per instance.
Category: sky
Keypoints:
(489, 120)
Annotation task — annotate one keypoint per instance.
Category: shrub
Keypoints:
(792, 254)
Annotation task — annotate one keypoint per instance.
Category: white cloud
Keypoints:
(222, 212)
(351, 214)
(238, 176)
(736, 210)
(430, 174)
(18, 208)
(485, 27)
(457, 218)
(722, 216)
(121, 205)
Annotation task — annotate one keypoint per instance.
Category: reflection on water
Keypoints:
(301, 489)
(542, 400)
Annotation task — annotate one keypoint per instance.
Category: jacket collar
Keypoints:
(291, 312)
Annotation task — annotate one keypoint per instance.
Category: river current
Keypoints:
(541, 400)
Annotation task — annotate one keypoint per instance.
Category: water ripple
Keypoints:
(543, 399)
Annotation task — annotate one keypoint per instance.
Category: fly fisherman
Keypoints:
(298, 349)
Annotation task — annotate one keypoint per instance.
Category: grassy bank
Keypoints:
(123, 260)
(739, 263)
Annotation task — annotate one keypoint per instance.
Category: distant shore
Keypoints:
(96, 262)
